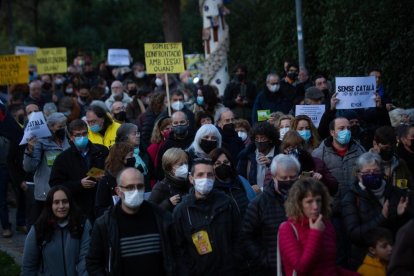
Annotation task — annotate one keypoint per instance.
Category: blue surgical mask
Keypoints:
(95, 128)
(200, 100)
(343, 137)
(305, 134)
(81, 142)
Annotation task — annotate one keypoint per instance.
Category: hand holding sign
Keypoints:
(36, 127)
(355, 92)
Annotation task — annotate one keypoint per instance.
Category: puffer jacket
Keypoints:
(108, 139)
(258, 233)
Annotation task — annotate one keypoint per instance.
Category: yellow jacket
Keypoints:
(372, 267)
(109, 137)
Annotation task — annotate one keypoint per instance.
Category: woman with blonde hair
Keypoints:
(307, 240)
(306, 129)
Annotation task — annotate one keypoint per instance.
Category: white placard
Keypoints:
(36, 127)
(25, 50)
(119, 57)
(355, 92)
(314, 112)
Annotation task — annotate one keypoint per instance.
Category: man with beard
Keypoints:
(118, 94)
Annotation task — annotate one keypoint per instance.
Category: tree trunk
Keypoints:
(171, 20)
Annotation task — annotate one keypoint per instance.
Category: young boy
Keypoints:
(379, 242)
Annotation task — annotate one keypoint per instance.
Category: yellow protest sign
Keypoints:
(51, 60)
(164, 58)
(14, 69)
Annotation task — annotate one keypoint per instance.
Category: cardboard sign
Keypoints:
(119, 57)
(263, 115)
(164, 58)
(36, 127)
(355, 92)
(14, 69)
(26, 50)
(314, 112)
(51, 60)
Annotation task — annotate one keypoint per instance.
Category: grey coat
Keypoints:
(62, 252)
(37, 162)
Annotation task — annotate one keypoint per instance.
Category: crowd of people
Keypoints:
(135, 181)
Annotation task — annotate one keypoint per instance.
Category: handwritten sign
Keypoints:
(119, 57)
(14, 69)
(355, 92)
(164, 58)
(36, 127)
(51, 60)
(314, 112)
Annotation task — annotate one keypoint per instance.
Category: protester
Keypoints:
(202, 118)
(242, 127)
(118, 94)
(405, 149)
(401, 262)
(283, 124)
(208, 102)
(118, 112)
(206, 139)
(59, 240)
(304, 126)
(149, 117)
(161, 132)
(101, 128)
(133, 234)
(168, 192)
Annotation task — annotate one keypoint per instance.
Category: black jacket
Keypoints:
(104, 252)
(259, 230)
(219, 217)
(70, 167)
(232, 142)
(104, 192)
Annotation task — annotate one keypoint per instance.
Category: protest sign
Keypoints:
(51, 60)
(263, 115)
(164, 58)
(119, 57)
(355, 92)
(14, 69)
(36, 127)
(26, 50)
(314, 112)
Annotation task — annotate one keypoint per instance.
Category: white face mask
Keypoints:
(181, 171)
(273, 88)
(203, 185)
(69, 90)
(178, 105)
(242, 135)
(133, 199)
(106, 89)
(282, 132)
(158, 82)
(140, 74)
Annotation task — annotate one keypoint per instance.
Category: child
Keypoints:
(379, 242)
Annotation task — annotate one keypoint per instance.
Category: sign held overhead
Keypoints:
(355, 92)
(14, 69)
(165, 58)
(51, 60)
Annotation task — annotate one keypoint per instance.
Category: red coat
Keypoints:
(313, 254)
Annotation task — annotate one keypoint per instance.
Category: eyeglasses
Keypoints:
(133, 187)
(80, 134)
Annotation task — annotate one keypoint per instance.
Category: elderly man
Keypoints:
(118, 94)
(231, 139)
(264, 215)
(132, 236)
(207, 226)
(35, 94)
(118, 112)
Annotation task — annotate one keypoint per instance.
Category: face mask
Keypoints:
(262, 146)
(223, 171)
(60, 133)
(189, 80)
(118, 97)
(355, 131)
(242, 135)
(343, 137)
(178, 105)
(200, 100)
(81, 142)
(121, 116)
(273, 88)
(181, 171)
(203, 185)
(133, 199)
(284, 187)
(130, 162)
(132, 92)
(372, 181)
(305, 134)
(106, 89)
(95, 128)
(180, 131)
(140, 74)
(158, 82)
(228, 129)
(282, 132)
(386, 154)
(58, 81)
(292, 75)
(207, 146)
(69, 90)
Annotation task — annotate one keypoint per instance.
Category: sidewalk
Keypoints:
(14, 245)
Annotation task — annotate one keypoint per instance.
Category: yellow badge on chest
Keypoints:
(202, 242)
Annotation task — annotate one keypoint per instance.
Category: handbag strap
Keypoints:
(278, 257)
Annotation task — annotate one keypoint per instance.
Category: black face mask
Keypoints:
(372, 181)
(20, 119)
(132, 92)
(292, 75)
(284, 187)
(386, 154)
(207, 145)
(180, 131)
(223, 172)
(130, 162)
(46, 86)
(121, 116)
(228, 129)
(355, 131)
(325, 92)
(262, 146)
(60, 133)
